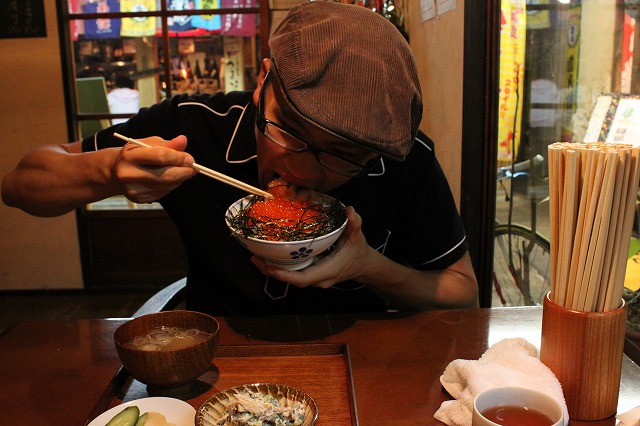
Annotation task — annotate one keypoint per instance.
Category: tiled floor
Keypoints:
(21, 306)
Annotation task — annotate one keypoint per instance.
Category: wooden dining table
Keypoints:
(362, 369)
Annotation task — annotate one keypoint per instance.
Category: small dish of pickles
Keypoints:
(153, 411)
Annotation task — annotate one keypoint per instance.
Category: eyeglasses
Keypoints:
(277, 134)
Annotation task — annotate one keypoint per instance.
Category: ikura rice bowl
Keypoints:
(290, 229)
(294, 214)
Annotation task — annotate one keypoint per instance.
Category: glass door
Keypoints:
(121, 55)
(564, 66)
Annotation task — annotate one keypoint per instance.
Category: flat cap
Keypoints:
(349, 71)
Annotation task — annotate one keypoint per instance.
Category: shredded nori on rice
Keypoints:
(315, 221)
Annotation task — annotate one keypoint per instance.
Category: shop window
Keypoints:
(564, 67)
(125, 54)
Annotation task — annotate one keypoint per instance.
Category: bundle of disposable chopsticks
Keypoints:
(593, 189)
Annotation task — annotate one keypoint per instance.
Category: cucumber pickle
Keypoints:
(127, 417)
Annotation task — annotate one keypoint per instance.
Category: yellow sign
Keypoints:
(573, 50)
(512, 50)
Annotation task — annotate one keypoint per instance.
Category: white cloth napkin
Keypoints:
(510, 362)
(630, 418)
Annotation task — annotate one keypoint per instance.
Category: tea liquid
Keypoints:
(512, 415)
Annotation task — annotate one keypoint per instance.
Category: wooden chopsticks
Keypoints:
(592, 198)
(209, 172)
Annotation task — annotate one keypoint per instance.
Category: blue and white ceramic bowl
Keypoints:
(290, 255)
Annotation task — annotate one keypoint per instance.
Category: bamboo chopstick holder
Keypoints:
(209, 172)
(583, 335)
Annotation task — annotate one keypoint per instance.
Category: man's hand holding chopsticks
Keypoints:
(145, 175)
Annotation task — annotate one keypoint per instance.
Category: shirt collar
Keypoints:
(242, 147)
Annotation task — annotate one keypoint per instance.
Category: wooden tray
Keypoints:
(323, 371)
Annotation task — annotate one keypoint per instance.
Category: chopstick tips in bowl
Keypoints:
(208, 172)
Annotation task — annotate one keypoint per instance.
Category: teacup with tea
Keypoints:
(512, 405)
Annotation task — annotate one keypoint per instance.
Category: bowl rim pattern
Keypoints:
(236, 233)
(215, 406)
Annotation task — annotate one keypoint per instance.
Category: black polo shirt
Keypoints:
(407, 209)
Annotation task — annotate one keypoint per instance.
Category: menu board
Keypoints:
(22, 19)
(615, 119)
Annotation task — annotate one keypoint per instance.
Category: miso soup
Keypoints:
(167, 339)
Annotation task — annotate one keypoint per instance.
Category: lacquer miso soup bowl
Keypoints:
(168, 350)
(282, 250)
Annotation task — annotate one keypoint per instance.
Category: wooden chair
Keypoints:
(164, 300)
